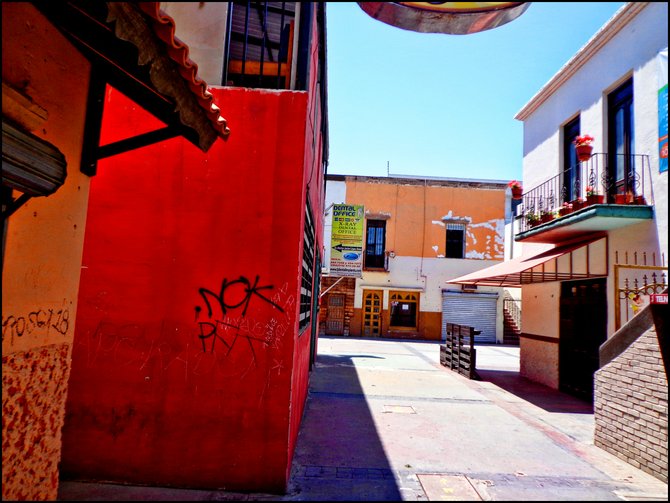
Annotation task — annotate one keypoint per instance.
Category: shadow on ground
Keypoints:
(339, 455)
(542, 396)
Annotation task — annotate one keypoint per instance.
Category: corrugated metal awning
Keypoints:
(544, 267)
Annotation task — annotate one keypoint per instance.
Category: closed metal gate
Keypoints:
(477, 310)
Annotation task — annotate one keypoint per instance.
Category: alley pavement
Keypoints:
(384, 421)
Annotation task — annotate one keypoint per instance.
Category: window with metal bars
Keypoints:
(260, 44)
(455, 240)
(307, 282)
(375, 244)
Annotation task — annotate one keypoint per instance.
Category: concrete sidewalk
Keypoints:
(385, 421)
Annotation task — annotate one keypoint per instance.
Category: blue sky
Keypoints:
(443, 105)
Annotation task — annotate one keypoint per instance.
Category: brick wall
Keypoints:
(346, 286)
(631, 407)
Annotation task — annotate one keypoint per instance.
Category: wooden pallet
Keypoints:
(458, 352)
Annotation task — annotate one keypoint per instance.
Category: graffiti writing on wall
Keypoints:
(227, 316)
(39, 321)
(227, 321)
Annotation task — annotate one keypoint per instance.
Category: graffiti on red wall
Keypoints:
(37, 321)
(226, 320)
(222, 327)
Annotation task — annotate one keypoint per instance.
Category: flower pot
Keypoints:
(595, 199)
(624, 198)
(583, 152)
(577, 205)
(565, 211)
(640, 200)
(548, 217)
(517, 192)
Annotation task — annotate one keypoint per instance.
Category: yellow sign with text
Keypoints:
(346, 240)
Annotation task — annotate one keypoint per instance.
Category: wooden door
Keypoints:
(335, 314)
(372, 313)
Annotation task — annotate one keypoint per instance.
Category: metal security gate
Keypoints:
(477, 310)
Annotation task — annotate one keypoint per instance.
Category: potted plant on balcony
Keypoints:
(532, 219)
(546, 216)
(578, 203)
(626, 198)
(640, 200)
(517, 189)
(566, 209)
(592, 197)
(583, 147)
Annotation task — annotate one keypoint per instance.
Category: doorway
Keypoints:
(372, 313)
(335, 314)
(583, 328)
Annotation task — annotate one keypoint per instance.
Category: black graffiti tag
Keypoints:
(248, 290)
(232, 295)
(17, 326)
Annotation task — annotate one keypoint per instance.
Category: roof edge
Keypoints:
(616, 23)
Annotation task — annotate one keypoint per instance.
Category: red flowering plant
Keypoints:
(583, 140)
(565, 209)
(514, 184)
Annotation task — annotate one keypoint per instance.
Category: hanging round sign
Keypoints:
(455, 18)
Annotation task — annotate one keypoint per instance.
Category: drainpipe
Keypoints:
(423, 235)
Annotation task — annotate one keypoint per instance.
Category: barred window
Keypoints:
(307, 282)
(455, 240)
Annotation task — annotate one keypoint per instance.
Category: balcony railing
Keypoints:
(615, 178)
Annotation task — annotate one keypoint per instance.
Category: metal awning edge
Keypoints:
(518, 272)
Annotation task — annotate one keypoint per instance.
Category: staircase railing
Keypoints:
(513, 307)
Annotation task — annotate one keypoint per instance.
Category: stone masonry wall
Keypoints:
(34, 387)
(631, 407)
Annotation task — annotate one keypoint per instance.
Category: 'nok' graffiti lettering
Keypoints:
(232, 295)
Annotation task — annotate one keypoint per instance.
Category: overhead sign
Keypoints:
(346, 241)
(455, 18)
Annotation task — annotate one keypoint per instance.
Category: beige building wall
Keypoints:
(42, 255)
(539, 340)
(203, 24)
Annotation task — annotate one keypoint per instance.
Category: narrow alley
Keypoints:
(385, 421)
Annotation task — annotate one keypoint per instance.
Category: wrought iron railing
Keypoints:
(617, 178)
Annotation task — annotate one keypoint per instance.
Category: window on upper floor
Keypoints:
(621, 140)
(571, 172)
(455, 246)
(260, 44)
(375, 244)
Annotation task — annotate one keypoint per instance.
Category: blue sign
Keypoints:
(663, 129)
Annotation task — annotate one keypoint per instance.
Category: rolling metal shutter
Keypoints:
(476, 310)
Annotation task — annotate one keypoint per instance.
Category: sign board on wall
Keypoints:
(663, 112)
(346, 241)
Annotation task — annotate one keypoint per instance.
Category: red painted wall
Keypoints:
(187, 364)
(314, 177)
